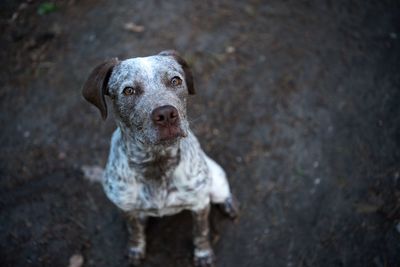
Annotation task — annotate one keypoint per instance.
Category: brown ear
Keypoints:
(95, 86)
(185, 67)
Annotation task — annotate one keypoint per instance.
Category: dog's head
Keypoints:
(148, 95)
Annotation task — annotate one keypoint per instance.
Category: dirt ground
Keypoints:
(298, 100)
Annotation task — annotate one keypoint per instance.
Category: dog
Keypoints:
(156, 166)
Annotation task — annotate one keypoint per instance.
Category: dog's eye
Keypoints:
(130, 91)
(176, 81)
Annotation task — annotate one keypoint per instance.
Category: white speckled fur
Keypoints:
(156, 169)
(123, 184)
(129, 199)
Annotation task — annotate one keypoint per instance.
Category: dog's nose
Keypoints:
(165, 116)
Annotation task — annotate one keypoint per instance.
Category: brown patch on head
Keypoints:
(185, 66)
(95, 86)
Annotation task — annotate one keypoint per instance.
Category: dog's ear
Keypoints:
(185, 67)
(95, 86)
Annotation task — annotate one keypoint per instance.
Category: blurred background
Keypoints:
(298, 100)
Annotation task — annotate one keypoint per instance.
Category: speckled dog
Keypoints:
(156, 166)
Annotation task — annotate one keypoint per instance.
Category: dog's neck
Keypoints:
(154, 164)
(140, 152)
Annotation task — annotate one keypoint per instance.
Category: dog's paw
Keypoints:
(230, 207)
(204, 258)
(136, 255)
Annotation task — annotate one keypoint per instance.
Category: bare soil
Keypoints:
(298, 100)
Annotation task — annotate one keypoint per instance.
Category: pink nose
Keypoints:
(165, 116)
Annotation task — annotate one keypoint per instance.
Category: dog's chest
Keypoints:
(157, 184)
(183, 186)
(177, 190)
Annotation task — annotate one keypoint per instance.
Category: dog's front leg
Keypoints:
(203, 254)
(137, 238)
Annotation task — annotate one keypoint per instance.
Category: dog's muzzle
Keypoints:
(166, 119)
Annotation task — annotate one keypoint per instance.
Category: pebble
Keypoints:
(230, 50)
(76, 260)
(62, 155)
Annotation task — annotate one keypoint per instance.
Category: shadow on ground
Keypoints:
(298, 100)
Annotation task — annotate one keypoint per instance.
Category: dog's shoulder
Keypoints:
(118, 182)
(117, 157)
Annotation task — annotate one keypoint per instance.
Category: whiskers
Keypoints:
(193, 122)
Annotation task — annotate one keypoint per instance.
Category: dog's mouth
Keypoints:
(170, 134)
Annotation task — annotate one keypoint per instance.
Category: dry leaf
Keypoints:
(366, 207)
(132, 27)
